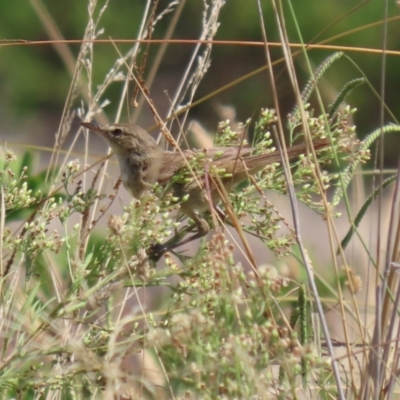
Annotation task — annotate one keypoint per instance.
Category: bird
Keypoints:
(143, 163)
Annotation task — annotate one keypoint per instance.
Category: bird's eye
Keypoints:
(117, 132)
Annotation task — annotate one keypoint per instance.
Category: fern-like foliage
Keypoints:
(318, 74)
(348, 173)
(363, 210)
(348, 88)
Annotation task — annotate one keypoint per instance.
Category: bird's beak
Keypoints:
(92, 127)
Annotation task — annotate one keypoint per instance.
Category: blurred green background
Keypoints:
(35, 81)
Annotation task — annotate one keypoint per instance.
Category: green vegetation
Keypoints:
(258, 309)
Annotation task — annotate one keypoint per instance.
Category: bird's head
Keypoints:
(124, 138)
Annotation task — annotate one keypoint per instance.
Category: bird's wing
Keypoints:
(223, 154)
(173, 162)
(170, 164)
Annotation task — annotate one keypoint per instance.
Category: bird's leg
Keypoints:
(202, 229)
(157, 250)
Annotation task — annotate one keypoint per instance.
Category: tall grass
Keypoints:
(255, 310)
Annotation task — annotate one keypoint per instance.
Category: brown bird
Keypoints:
(143, 163)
